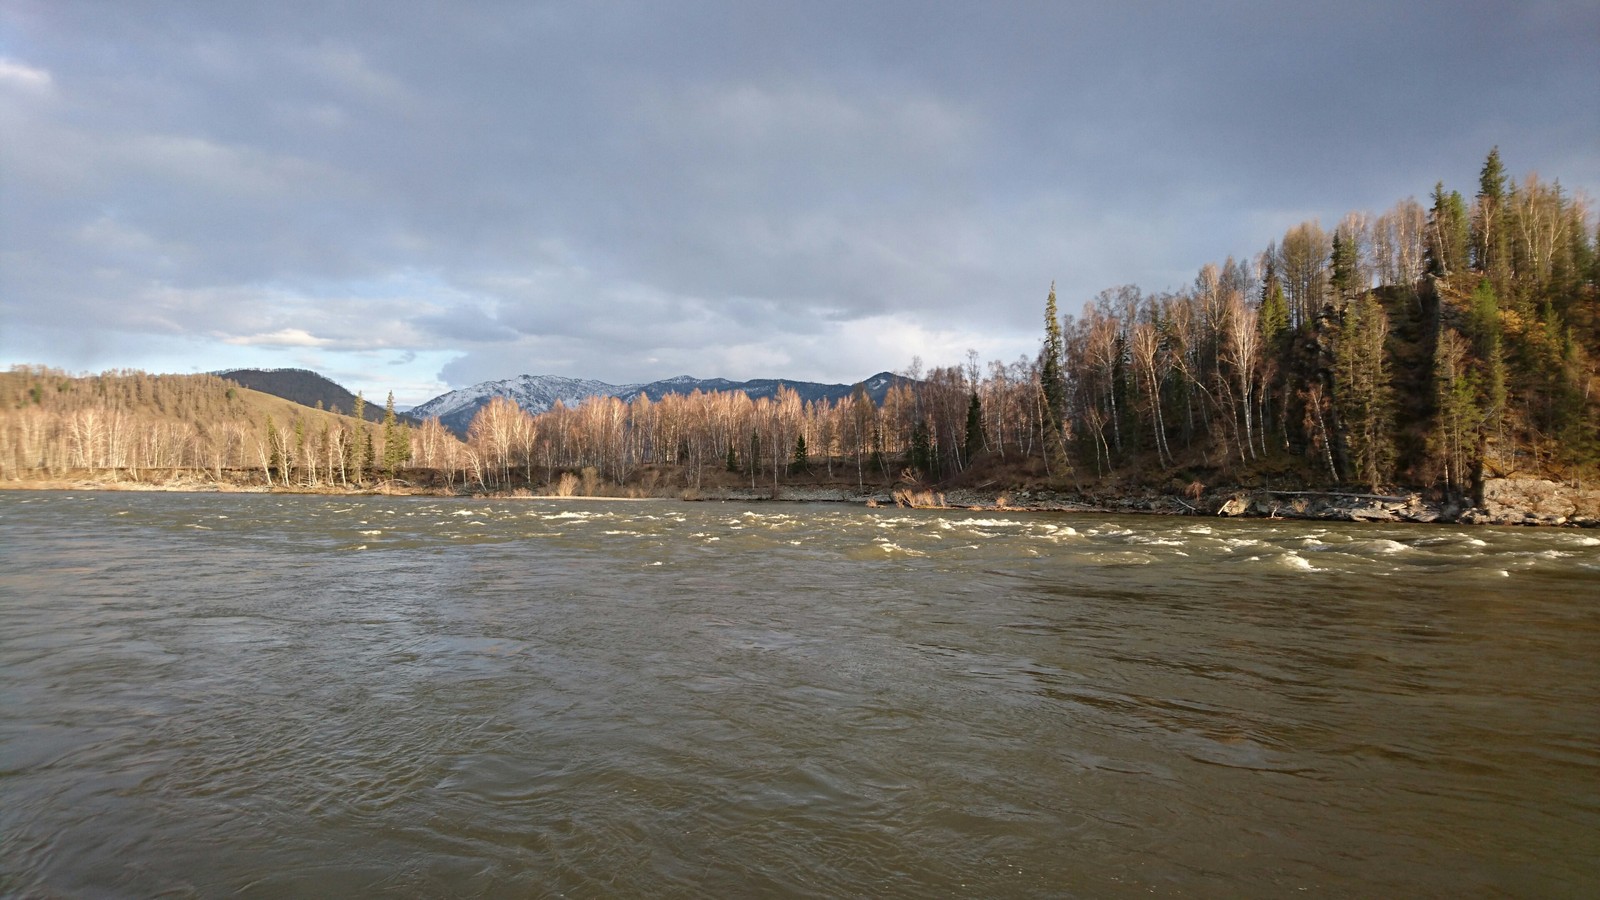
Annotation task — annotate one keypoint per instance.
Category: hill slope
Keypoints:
(307, 388)
(126, 422)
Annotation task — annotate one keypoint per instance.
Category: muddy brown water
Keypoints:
(208, 695)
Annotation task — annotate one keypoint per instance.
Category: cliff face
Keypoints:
(1519, 500)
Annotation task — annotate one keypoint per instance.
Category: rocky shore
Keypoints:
(1507, 501)
(1510, 500)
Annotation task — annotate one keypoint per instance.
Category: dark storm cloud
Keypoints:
(634, 190)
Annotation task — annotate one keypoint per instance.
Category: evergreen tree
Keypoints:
(1488, 341)
(1051, 355)
(1576, 426)
(1345, 267)
(352, 453)
(1364, 394)
(799, 463)
(732, 461)
(1489, 226)
(1053, 384)
(921, 456)
(1274, 318)
(975, 441)
(396, 442)
(1447, 237)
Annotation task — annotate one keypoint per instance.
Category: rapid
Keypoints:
(269, 695)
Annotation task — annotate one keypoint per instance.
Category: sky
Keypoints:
(421, 196)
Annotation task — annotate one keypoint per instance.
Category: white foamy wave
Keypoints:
(1298, 563)
(1384, 545)
(1154, 541)
(892, 548)
(987, 523)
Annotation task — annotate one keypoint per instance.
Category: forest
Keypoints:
(1418, 348)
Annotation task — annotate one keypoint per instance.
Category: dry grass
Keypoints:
(918, 498)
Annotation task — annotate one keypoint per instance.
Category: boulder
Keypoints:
(1517, 500)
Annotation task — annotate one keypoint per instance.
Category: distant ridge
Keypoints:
(537, 393)
(308, 388)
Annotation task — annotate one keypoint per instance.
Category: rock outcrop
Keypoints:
(1535, 501)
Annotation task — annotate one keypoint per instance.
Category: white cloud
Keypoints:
(284, 337)
(21, 75)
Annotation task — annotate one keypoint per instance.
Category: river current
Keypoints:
(218, 694)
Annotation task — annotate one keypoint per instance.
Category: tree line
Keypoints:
(1408, 348)
(1415, 347)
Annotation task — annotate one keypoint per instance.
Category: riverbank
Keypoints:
(1506, 501)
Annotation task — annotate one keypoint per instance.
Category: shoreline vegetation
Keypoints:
(1435, 363)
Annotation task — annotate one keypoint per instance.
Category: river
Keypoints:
(267, 695)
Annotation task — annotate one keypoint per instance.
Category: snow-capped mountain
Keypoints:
(537, 393)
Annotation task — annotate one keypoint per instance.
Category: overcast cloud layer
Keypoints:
(419, 197)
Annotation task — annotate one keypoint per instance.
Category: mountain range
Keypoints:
(537, 393)
(534, 393)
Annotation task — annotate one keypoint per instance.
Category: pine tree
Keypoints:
(1345, 267)
(975, 438)
(800, 462)
(1489, 232)
(732, 461)
(1053, 384)
(396, 443)
(1051, 379)
(921, 455)
(352, 453)
(1488, 341)
(1364, 394)
(1274, 318)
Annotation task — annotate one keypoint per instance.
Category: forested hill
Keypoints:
(1423, 347)
(309, 388)
(131, 425)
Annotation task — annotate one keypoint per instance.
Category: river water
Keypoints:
(211, 694)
